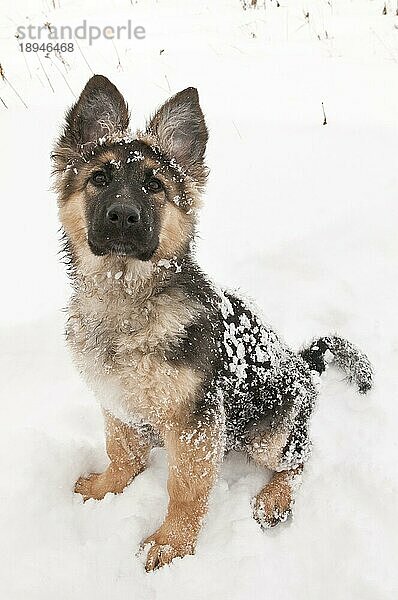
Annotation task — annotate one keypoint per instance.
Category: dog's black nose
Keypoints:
(122, 216)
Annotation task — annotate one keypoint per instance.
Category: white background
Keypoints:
(300, 216)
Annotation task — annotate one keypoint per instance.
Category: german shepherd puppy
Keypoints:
(172, 359)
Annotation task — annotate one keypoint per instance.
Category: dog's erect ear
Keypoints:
(100, 111)
(179, 128)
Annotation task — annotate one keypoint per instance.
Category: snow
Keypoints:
(300, 216)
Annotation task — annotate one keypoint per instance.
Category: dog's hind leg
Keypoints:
(284, 453)
(282, 448)
(128, 451)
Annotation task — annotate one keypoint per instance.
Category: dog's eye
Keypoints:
(99, 178)
(153, 185)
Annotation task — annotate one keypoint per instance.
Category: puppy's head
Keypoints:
(130, 196)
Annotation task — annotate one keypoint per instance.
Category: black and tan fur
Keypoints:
(172, 359)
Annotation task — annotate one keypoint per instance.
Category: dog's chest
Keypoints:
(121, 348)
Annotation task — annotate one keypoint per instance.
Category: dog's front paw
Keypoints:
(162, 550)
(113, 481)
(93, 486)
(97, 485)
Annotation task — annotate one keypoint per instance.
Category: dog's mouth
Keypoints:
(123, 248)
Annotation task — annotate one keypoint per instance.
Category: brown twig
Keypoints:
(62, 75)
(59, 56)
(44, 71)
(8, 82)
(119, 64)
(81, 52)
(324, 115)
(24, 57)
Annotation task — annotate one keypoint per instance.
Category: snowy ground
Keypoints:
(299, 215)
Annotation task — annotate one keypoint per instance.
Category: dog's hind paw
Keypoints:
(274, 503)
(268, 517)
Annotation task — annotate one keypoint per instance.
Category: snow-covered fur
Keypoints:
(172, 359)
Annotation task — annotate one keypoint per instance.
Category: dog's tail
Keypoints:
(345, 355)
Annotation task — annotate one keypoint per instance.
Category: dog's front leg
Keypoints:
(128, 451)
(194, 454)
